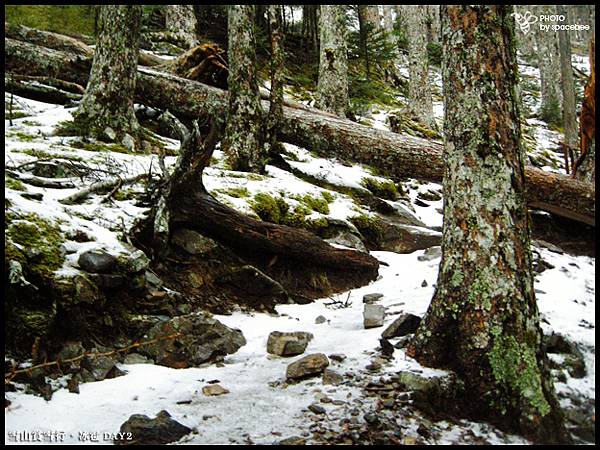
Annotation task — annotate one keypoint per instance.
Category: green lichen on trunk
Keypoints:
(244, 140)
(332, 87)
(483, 321)
(106, 110)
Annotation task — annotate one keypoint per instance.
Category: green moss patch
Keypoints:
(369, 227)
(515, 368)
(381, 189)
(11, 183)
(35, 243)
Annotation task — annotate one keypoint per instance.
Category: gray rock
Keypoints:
(107, 280)
(192, 242)
(403, 325)
(406, 238)
(136, 358)
(424, 283)
(292, 440)
(101, 367)
(317, 409)
(372, 298)
(152, 280)
(145, 431)
(348, 239)
(415, 382)
(430, 254)
(320, 320)
(203, 339)
(133, 262)
(331, 377)
(212, 390)
(97, 261)
(288, 344)
(310, 365)
(373, 316)
(338, 357)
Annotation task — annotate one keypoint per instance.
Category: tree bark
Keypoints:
(275, 115)
(107, 106)
(419, 91)
(549, 64)
(332, 88)
(243, 143)
(181, 21)
(483, 321)
(397, 156)
(568, 85)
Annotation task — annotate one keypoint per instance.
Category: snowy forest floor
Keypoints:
(261, 407)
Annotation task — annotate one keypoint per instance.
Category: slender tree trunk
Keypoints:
(181, 21)
(419, 92)
(568, 85)
(107, 106)
(275, 116)
(332, 88)
(433, 24)
(585, 166)
(243, 143)
(483, 321)
(549, 64)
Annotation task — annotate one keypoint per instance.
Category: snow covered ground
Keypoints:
(260, 407)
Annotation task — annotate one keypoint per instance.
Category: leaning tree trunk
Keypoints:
(243, 143)
(332, 88)
(483, 321)
(419, 91)
(106, 110)
(397, 156)
(181, 21)
(568, 85)
(549, 64)
(585, 166)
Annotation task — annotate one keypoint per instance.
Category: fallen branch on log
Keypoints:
(397, 156)
(81, 195)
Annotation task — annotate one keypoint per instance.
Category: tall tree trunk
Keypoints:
(433, 24)
(332, 88)
(181, 21)
(483, 321)
(419, 92)
(277, 66)
(568, 85)
(549, 64)
(243, 143)
(106, 110)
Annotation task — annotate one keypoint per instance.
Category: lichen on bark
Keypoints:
(332, 87)
(106, 110)
(483, 321)
(244, 141)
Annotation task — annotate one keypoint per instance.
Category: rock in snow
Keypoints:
(288, 344)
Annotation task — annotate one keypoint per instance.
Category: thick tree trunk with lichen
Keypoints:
(549, 65)
(396, 155)
(483, 321)
(243, 143)
(332, 88)
(181, 21)
(419, 92)
(106, 110)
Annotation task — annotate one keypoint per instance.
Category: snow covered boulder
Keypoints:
(191, 340)
(288, 344)
(306, 367)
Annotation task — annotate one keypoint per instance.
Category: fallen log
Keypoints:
(397, 156)
(41, 92)
(186, 204)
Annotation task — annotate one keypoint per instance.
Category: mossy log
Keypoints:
(397, 156)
